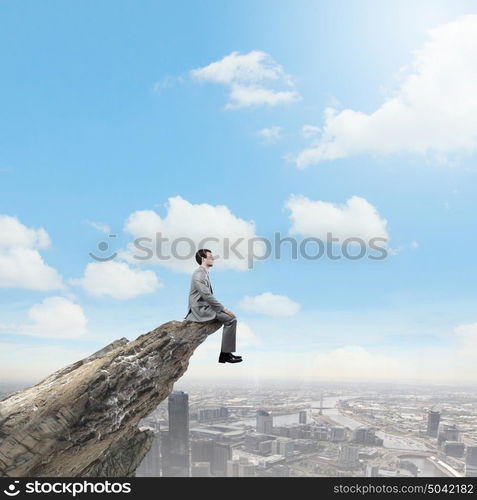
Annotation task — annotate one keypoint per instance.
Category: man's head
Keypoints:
(204, 257)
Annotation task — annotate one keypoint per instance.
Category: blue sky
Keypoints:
(110, 110)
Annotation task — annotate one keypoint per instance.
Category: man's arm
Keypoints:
(201, 285)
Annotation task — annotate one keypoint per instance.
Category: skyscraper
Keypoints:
(264, 422)
(282, 446)
(246, 469)
(222, 453)
(348, 456)
(302, 417)
(365, 435)
(433, 419)
(202, 450)
(175, 454)
(233, 467)
(453, 449)
(337, 433)
(471, 461)
(165, 453)
(447, 432)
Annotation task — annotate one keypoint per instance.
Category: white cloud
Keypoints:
(434, 110)
(309, 131)
(117, 280)
(188, 227)
(252, 95)
(103, 228)
(270, 304)
(54, 317)
(271, 134)
(21, 265)
(15, 234)
(356, 218)
(245, 75)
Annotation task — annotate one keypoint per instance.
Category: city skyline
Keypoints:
(329, 432)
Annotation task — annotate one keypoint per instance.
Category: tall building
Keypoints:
(240, 467)
(365, 435)
(246, 469)
(282, 446)
(337, 433)
(471, 461)
(433, 419)
(264, 422)
(372, 471)
(447, 432)
(453, 449)
(252, 441)
(202, 450)
(176, 461)
(233, 467)
(265, 447)
(348, 456)
(320, 432)
(222, 453)
(302, 417)
(165, 453)
(151, 464)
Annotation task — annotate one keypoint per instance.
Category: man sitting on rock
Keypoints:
(203, 306)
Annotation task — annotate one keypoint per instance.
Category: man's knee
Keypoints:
(230, 320)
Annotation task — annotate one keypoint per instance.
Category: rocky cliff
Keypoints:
(83, 419)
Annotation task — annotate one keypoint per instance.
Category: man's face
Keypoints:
(209, 260)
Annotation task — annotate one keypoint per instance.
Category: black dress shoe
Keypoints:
(233, 355)
(228, 357)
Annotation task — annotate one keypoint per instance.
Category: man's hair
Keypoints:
(202, 252)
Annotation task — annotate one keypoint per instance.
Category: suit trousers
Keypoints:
(228, 332)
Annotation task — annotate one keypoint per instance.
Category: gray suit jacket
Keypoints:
(203, 306)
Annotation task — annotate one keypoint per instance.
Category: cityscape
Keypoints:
(327, 430)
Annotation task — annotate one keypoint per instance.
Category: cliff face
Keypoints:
(82, 420)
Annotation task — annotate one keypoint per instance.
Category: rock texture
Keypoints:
(83, 419)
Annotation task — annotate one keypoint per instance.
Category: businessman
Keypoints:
(203, 306)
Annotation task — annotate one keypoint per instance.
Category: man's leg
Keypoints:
(228, 332)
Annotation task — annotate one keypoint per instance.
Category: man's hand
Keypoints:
(230, 313)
